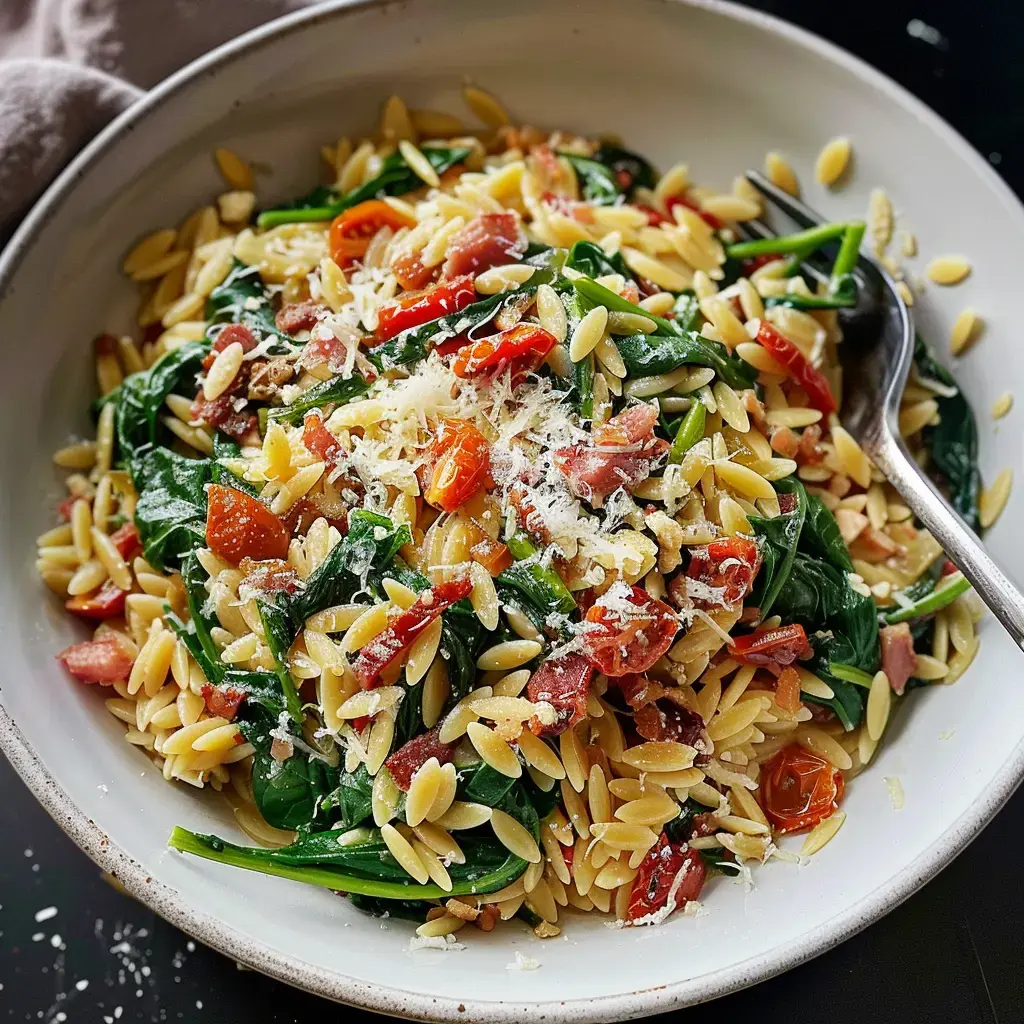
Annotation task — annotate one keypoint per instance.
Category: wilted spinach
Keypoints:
(631, 171)
(243, 298)
(597, 181)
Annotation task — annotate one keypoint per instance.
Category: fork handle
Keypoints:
(957, 539)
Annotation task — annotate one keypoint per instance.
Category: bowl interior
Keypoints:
(707, 85)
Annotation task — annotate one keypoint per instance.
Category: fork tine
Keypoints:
(798, 211)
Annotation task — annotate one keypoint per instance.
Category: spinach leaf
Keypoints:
(689, 432)
(140, 398)
(597, 181)
(781, 536)
(353, 797)
(647, 355)
(396, 178)
(538, 585)
(953, 442)
(821, 535)
(848, 699)
(934, 599)
(413, 344)
(482, 784)
(631, 171)
(409, 720)
(590, 259)
(196, 635)
(243, 298)
(280, 631)
(336, 391)
(686, 313)
(462, 637)
(583, 386)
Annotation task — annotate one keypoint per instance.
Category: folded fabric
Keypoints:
(68, 66)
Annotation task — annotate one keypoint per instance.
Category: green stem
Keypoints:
(598, 295)
(801, 242)
(944, 594)
(583, 378)
(850, 674)
(522, 548)
(849, 251)
(690, 431)
(275, 218)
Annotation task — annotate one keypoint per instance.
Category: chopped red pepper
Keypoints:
(782, 350)
(521, 349)
(421, 307)
(403, 630)
(776, 647)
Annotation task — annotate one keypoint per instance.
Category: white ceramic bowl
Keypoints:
(711, 83)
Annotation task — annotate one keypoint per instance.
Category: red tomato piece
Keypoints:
(410, 273)
(730, 565)
(564, 684)
(670, 876)
(631, 631)
(755, 263)
(64, 507)
(521, 350)
(709, 218)
(299, 316)
(223, 701)
(105, 660)
(410, 757)
(104, 603)
(488, 240)
(773, 647)
(403, 630)
(787, 690)
(799, 789)
(461, 465)
(421, 307)
(228, 335)
(126, 539)
(352, 230)
(319, 440)
(781, 349)
(239, 526)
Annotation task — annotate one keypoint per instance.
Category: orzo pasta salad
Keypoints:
(482, 526)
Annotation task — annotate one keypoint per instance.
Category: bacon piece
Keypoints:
(229, 334)
(223, 701)
(105, 660)
(785, 441)
(299, 316)
(564, 684)
(488, 240)
(271, 576)
(409, 758)
(898, 658)
(623, 454)
(403, 630)
(126, 539)
(221, 414)
(670, 722)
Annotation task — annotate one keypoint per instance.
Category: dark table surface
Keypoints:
(952, 952)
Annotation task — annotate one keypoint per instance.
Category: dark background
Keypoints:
(952, 952)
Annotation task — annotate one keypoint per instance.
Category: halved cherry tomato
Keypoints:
(632, 631)
(318, 440)
(564, 683)
(461, 461)
(709, 218)
(521, 349)
(403, 630)
(755, 263)
(104, 660)
(239, 526)
(657, 877)
(105, 603)
(779, 647)
(819, 394)
(127, 541)
(729, 564)
(352, 230)
(421, 307)
(799, 789)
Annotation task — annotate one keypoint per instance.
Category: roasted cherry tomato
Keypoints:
(564, 683)
(777, 647)
(521, 349)
(669, 870)
(403, 630)
(632, 631)
(461, 465)
(104, 603)
(223, 701)
(799, 789)
(352, 230)
(782, 350)
(239, 526)
(729, 565)
(410, 273)
(127, 541)
(421, 307)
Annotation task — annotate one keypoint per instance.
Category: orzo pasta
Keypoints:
(481, 526)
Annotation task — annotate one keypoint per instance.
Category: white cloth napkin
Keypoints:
(68, 66)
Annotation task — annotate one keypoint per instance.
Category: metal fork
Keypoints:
(876, 354)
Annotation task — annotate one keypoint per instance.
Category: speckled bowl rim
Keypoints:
(172, 906)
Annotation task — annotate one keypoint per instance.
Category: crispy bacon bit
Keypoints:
(404, 628)
(268, 376)
(126, 539)
(488, 240)
(488, 917)
(409, 758)
(622, 455)
(564, 684)
(229, 334)
(787, 503)
(105, 660)
(810, 452)
(785, 441)
(628, 631)
(222, 701)
(299, 316)
(670, 722)
(221, 413)
(898, 659)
